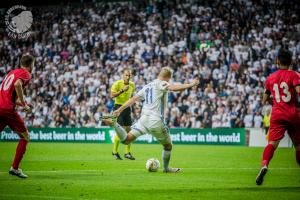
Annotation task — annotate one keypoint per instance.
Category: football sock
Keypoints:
(120, 131)
(20, 151)
(127, 148)
(268, 154)
(166, 155)
(116, 144)
(298, 157)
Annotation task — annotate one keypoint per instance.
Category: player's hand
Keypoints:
(126, 87)
(195, 82)
(28, 108)
(116, 113)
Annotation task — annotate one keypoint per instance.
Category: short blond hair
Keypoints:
(166, 72)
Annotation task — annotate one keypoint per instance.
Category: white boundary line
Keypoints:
(44, 197)
(35, 196)
(141, 169)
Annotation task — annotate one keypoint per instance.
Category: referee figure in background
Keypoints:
(121, 91)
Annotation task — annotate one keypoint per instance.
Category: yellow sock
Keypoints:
(116, 144)
(127, 149)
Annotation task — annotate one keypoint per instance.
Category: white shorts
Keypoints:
(154, 126)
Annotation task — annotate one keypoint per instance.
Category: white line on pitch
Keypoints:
(141, 169)
(34, 196)
(44, 197)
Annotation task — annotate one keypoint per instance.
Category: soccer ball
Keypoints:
(152, 165)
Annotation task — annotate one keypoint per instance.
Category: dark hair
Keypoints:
(27, 60)
(285, 57)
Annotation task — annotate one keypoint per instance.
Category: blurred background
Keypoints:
(82, 47)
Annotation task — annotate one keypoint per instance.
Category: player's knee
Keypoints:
(27, 137)
(129, 139)
(24, 135)
(168, 147)
(274, 143)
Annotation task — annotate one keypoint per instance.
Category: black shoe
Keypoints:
(261, 174)
(129, 156)
(117, 156)
(17, 172)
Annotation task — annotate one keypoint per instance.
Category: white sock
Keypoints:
(120, 131)
(166, 155)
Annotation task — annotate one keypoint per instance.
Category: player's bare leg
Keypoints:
(166, 156)
(20, 151)
(267, 156)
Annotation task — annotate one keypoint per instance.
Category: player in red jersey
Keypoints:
(11, 95)
(284, 86)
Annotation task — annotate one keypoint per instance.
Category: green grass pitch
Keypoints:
(88, 171)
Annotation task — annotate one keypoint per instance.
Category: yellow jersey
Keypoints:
(266, 120)
(122, 98)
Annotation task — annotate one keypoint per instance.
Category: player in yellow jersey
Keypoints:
(121, 91)
(266, 122)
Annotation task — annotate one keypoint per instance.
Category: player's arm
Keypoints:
(20, 93)
(128, 103)
(266, 97)
(267, 93)
(19, 90)
(114, 92)
(181, 87)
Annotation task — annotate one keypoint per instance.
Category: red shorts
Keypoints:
(13, 120)
(282, 123)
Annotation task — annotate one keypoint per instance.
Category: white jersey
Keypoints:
(155, 98)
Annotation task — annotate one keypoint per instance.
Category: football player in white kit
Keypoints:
(152, 120)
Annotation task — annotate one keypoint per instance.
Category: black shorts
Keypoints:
(266, 130)
(124, 118)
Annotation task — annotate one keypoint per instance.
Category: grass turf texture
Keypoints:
(88, 171)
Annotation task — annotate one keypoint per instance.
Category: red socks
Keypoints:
(298, 157)
(21, 148)
(268, 154)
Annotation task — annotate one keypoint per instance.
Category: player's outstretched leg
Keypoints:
(166, 156)
(112, 121)
(126, 138)
(20, 151)
(267, 156)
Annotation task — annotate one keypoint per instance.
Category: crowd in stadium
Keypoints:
(80, 51)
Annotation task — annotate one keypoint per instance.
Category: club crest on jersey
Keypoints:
(18, 21)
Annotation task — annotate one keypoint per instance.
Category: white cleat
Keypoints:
(172, 170)
(17, 172)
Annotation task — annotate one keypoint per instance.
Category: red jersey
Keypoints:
(281, 85)
(7, 89)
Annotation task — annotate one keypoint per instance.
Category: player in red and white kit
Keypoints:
(12, 95)
(284, 86)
